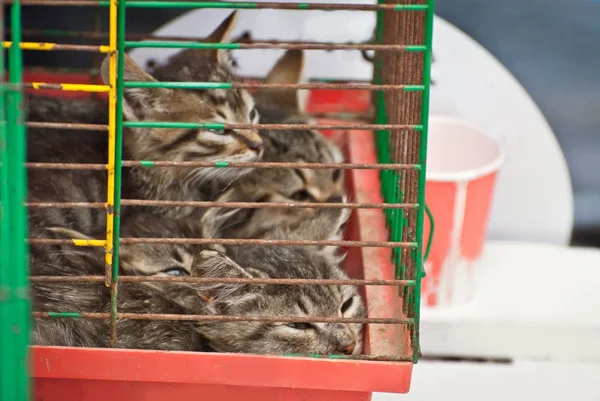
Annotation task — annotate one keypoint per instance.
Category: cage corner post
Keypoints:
(14, 293)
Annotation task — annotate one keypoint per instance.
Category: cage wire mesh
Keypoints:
(400, 95)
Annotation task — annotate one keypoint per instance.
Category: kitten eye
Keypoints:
(175, 272)
(253, 114)
(346, 305)
(336, 174)
(217, 131)
(302, 196)
(300, 326)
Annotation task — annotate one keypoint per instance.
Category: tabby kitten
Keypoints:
(204, 299)
(144, 260)
(282, 106)
(170, 144)
(286, 262)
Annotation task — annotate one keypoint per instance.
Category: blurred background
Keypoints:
(550, 46)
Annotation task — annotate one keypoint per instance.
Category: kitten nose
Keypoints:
(255, 145)
(349, 349)
(335, 199)
(253, 142)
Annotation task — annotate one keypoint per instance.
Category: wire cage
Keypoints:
(385, 178)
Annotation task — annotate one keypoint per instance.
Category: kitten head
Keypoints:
(303, 301)
(192, 106)
(282, 106)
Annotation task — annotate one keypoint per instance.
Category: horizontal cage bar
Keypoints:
(168, 44)
(66, 166)
(226, 205)
(274, 127)
(223, 318)
(227, 241)
(67, 205)
(224, 280)
(230, 5)
(267, 165)
(67, 87)
(223, 164)
(83, 127)
(250, 85)
(45, 46)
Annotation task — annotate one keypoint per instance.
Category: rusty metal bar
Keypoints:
(226, 205)
(228, 241)
(66, 205)
(273, 127)
(149, 163)
(260, 85)
(225, 318)
(143, 36)
(66, 166)
(237, 5)
(224, 280)
(271, 45)
(83, 127)
(260, 205)
(314, 166)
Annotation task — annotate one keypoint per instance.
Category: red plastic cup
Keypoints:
(462, 165)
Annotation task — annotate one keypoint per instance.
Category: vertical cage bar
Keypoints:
(112, 99)
(420, 269)
(117, 32)
(6, 362)
(110, 214)
(14, 293)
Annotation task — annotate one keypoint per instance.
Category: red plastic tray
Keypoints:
(84, 374)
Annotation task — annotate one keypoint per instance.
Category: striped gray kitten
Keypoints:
(278, 300)
(231, 299)
(137, 260)
(282, 106)
(159, 144)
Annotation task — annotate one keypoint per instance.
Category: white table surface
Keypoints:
(536, 304)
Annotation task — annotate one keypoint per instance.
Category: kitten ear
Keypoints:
(220, 296)
(137, 102)
(289, 69)
(220, 35)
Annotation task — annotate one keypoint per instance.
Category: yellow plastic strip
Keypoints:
(46, 46)
(70, 87)
(89, 242)
(31, 45)
(112, 110)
